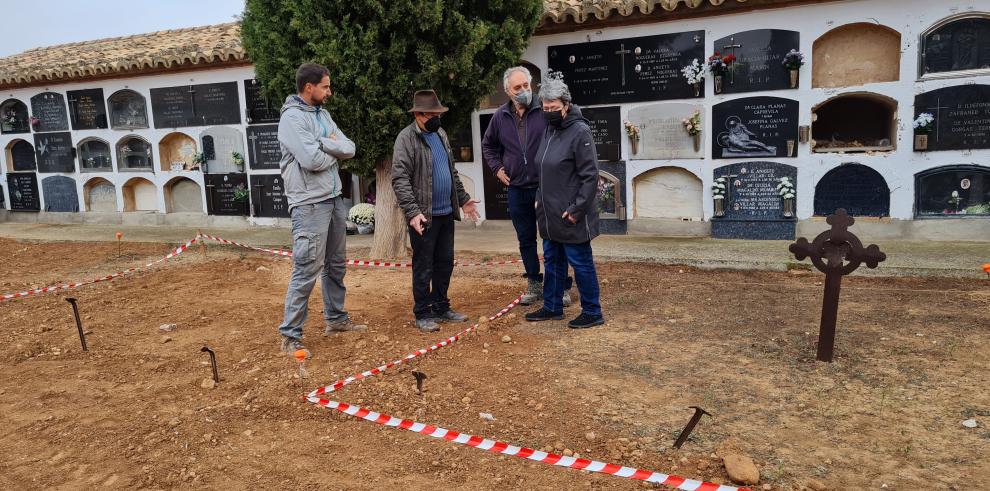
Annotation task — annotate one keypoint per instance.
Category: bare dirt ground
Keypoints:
(912, 363)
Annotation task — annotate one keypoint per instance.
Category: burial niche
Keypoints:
(60, 194)
(956, 44)
(140, 195)
(859, 189)
(177, 152)
(20, 156)
(953, 191)
(223, 148)
(94, 156)
(856, 54)
(183, 195)
(100, 195)
(14, 117)
(134, 154)
(668, 192)
(128, 110)
(858, 122)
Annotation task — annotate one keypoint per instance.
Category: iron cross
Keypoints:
(192, 98)
(732, 45)
(835, 252)
(622, 56)
(261, 195)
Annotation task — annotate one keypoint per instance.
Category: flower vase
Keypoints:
(720, 207)
(697, 141)
(697, 89)
(794, 78)
(921, 142)
(718, 84)
(788, 207)
(635, 145)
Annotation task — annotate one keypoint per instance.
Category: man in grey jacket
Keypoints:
(312, 148)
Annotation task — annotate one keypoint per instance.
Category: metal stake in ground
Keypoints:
(75, 311)
(686, 432)
(420, 377)
(835, 252)
(213, 362)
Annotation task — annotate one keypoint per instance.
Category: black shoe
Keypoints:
(451, 316)
(584, 321)
(543, 315)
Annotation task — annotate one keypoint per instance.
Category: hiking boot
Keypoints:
(346, 325)
(585, 321)
(451, 316)
(567, 298)
(292, 345)
(543, 315)
(427, 325)
(533, 293)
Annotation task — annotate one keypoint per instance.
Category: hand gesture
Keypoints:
(470, 210)
(417, 223)
(502, 176)
(569, 218)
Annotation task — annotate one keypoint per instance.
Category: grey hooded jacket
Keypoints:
(312, 148)
(567, 164)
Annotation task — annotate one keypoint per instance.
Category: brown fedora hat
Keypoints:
(426, 101)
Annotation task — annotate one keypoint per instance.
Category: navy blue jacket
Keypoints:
(502, 149)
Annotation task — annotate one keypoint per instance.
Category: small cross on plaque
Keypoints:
(732, 45)
(622, 56)
(835, 252)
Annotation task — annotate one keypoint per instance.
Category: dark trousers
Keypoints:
(558, 255)
(522, 210)
(433, 263)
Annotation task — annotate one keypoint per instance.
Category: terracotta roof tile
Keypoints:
(578, 11)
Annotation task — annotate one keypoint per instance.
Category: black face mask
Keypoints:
(554, 118)
(432, 124)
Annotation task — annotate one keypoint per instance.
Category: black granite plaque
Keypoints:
(55, 152)
(87, 109)
(753, 207)
(962, 116)
(196, 105)
(758, 55)
(128, 110)
(755, 127)
(496, 193)
(22, 156)
(954, 191)
(220, 194)
(264, 151)
(859, 189)
(49, 109)
(960, 45)
(268, 196)
(260, 110)
(637, 69)
(23, 187)
(60, 194)
(14, 117)
(607, 130)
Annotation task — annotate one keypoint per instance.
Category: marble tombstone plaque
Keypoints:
(49, 108)
(196, 105)
(87, 109)
(23, 188)
(268, 196)
(60, 194)
(606, 128)
(22, 156)
(55, 152)
(496, 193)
(264, 151)
(759, 54)
(661, 131)
(753, 209)
(259, 109)
(962, 117)
(755, 127)
(223, 142)
(859, 189)
(220, 189)
(636, 69)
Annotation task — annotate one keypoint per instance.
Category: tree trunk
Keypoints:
(390, 224)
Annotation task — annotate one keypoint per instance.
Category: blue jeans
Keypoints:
(522, 210)
(318, 252)
(558, 255)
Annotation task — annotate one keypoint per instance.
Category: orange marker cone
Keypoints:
(986, 269)
(120, 235)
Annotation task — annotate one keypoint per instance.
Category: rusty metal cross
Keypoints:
(835, 252)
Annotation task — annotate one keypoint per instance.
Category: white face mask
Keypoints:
(523, 98)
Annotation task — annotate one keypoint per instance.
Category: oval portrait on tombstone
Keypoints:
(964, 184)
(638, 50)
(571, 59)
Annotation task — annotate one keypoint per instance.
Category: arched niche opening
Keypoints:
(668, 192)
(856, 122)
(856, 54)
(140, 194)
(100, 195)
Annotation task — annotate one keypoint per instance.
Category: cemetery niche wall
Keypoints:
(183, 195)
(861, 190)
(220, 144)
(196, 105)
(859, 122)
(48, 112)
(94, 156)
(20, 156)
(961, 118)
(134, 154)
(60, 194)
(856, 54)
(140, 194)
(177, 152)
(128, 110)
(14, 117)
(662, 135)
(953, 191)
(956, 44)
(100, 195)
(753, 207)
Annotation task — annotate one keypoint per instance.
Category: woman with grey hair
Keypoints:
(566, 208)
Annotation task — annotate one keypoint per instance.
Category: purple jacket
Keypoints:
(501, 147)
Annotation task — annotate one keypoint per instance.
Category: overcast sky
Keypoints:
(38, 23)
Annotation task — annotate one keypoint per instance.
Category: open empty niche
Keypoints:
(183, 195)
(140, 195)
(856, 54)
(668, 192)
(859, 122)
(94, 156)
(177, 151)
(100, 195)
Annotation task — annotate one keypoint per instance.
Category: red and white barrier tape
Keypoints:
(74, 285)
(353, 262)
(495, 446)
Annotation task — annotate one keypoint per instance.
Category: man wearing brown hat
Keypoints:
(431, 196)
